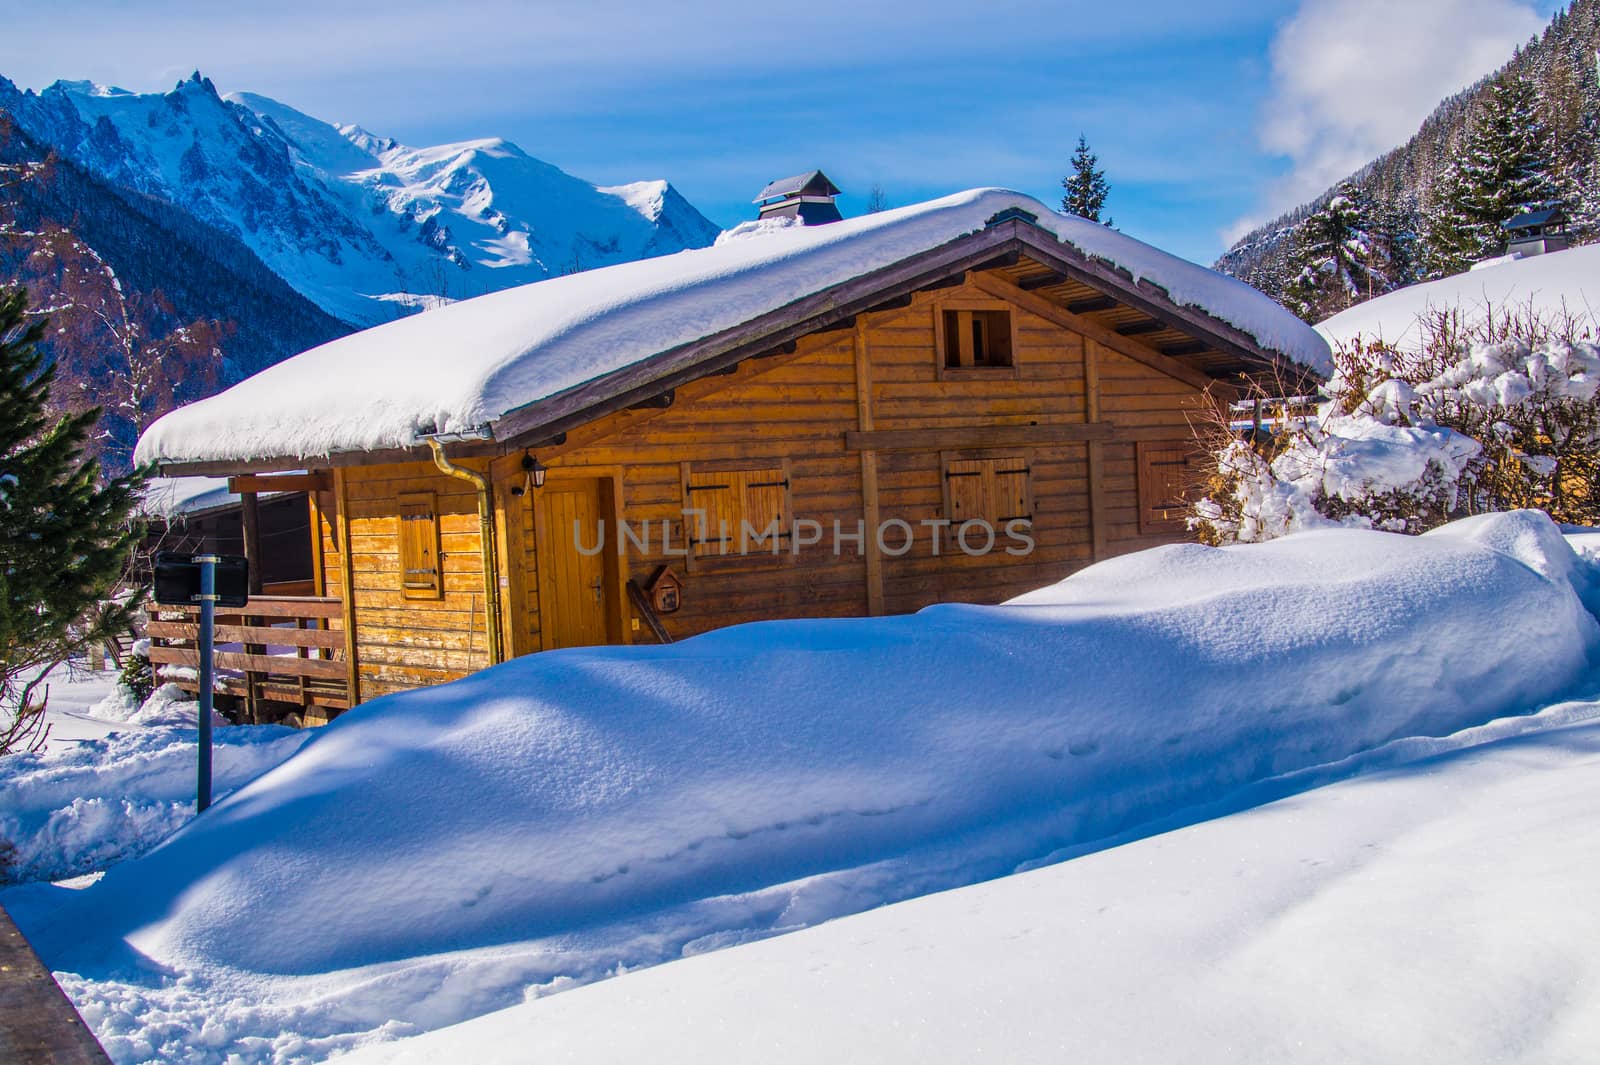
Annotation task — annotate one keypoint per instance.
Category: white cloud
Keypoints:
(1353, 78)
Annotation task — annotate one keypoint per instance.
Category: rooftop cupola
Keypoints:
(808, 197)
(1536, 232)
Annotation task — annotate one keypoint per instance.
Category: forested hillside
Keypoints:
(1527, 134)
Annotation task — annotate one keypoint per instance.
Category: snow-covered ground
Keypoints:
(1437, 909)
(1563, 282)
(115, 778)
(437, 855)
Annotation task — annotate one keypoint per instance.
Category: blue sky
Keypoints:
(1206, 116)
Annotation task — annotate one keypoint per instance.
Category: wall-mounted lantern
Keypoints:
(534, 473)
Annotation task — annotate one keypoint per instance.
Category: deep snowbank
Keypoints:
(78, 808)
(1556, 284)
(574, 790)
(436, 855)
(1434, 914)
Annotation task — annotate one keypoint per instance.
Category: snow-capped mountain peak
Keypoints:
(361, 224)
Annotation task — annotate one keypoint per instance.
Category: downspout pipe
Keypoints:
(486, 541)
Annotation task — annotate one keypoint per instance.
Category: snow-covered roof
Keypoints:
(814, 181)
(1550, 284)
(461, 367)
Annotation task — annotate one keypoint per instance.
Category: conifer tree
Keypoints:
(1502, 166)
(64, 537)
(1086, 185)
(1338, 259)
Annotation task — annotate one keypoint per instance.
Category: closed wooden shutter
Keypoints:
(991, 490)
(1166, 476)
(730, 498)
(967, 482)
(1011, 498)
(716, 496)
(421, 573)
(766, 504)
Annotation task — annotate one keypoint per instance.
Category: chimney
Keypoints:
(1536, 231)
(808, 197)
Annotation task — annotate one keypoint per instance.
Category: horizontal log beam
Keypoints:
(976, 436)
(1089, 306)
(315, 693)
(1136, 329)
(269, 606)
(286, 482)
(1188, 347)
(283, 665)
(332, 639)
(1033, 282)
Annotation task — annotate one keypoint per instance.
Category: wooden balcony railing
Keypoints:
(277, 650)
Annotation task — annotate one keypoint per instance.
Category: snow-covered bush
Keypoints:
(1499, 414)
(137, 676)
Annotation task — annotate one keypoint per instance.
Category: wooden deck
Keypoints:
(279, 651)
(38, 1026)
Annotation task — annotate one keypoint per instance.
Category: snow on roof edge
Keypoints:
(462, 366)
(171, 498)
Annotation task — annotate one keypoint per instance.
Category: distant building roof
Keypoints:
(814, 183)
(1547, 216)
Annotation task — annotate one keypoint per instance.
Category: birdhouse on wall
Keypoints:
(666, 591)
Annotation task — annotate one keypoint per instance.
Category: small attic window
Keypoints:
(975, 339)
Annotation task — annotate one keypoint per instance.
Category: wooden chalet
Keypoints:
(1002, 373)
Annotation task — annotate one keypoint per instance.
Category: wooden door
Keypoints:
(576, 590)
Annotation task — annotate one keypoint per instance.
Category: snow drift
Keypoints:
(1385, 918)
(1555, 284)
(75, 810)
(603, 806)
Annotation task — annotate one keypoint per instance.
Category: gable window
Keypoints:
(975, 338)
(421, 575)
(1167, 472)
(994, 490)
(736, 511)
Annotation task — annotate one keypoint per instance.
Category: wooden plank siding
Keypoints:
(792, 412)
(403, 642)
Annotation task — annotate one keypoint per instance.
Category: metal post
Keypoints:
(208, 606)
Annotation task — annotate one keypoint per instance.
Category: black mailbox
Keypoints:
(177, 580)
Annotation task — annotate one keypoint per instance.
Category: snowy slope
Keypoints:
(457, 367)
(553, 818)
(363, 226)
(1553, 284)
(1432, 914)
